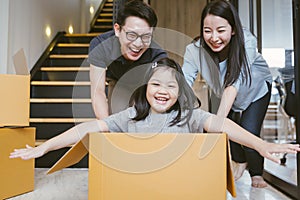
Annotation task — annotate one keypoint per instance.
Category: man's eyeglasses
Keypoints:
(133, 36)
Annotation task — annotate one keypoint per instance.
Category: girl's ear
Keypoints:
(117, 29)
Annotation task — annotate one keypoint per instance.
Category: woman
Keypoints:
(226, 57)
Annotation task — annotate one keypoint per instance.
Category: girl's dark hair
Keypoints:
(137, 8)
(186, 101)
(237, 58)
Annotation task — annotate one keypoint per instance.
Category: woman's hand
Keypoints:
(28, 152)
(269, 150)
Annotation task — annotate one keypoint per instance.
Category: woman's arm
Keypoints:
(65, 139)
(238, 134)
(227, 100)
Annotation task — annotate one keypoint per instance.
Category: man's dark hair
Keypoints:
(137, 8)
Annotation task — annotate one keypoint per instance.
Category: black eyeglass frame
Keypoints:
(133, 36)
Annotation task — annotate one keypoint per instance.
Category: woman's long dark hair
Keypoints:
(186, 101)
(237, 59)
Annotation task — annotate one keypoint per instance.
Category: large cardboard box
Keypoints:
(160, 167)
(15, 94)
(17, 176)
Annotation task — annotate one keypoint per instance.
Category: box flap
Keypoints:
(73, 156)
(20, 63)
(230, 179)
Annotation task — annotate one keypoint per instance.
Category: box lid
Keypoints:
(20, 63)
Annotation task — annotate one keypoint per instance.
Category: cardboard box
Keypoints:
(15, 94)
(17, 176)
(160, 167)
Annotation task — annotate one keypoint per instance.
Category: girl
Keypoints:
(226, 57)
(165, 103)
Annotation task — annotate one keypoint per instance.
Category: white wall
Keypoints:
(244, 13)
(4, 5)
(27, 21)
(276, 22)
(277, 29)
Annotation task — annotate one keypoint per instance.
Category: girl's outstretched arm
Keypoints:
(65, 139)
(243, 137)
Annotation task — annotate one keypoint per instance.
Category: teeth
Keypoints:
(136, 50)
(161, 99)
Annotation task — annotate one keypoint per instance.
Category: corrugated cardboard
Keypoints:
(15, 94)
(17, 176)
(160, 167)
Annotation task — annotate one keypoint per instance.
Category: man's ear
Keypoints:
(117, 29)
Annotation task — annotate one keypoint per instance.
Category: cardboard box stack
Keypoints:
(17, 176)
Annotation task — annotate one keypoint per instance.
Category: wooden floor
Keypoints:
(73, 184)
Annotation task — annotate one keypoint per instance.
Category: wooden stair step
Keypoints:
(104, 20)
(271, 117)
(82, 34)
(108, 4)
(46, 69)
(59, 100)
(103, 26)
(269, 132)
(106, 14)
(107, 10)
(273, 107)
(60, 83)
(73, 45)
(270, 126)
(58, 56)
(59, 120)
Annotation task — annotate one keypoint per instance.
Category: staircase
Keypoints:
(60, 86)
(104, 20)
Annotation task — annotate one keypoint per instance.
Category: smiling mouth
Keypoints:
(135, 51)
(161, 100)
(216, 45)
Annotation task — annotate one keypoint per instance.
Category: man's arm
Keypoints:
(98, 96)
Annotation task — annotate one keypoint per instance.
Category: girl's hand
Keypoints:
(28, 152)
(268, 150)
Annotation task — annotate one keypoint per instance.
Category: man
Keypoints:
(114, 53)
